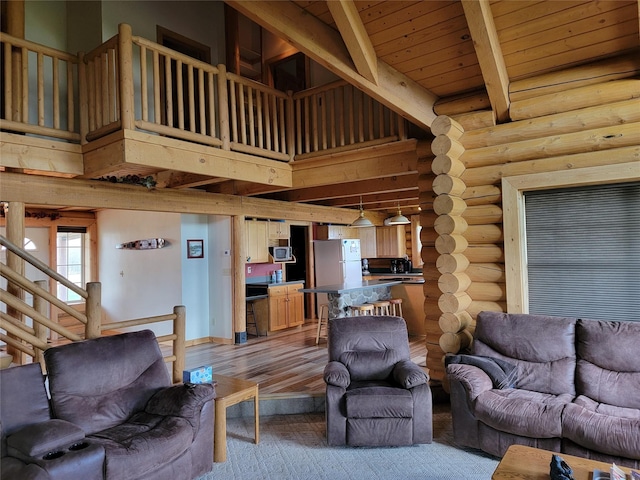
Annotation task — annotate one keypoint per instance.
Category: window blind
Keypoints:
(583, 251)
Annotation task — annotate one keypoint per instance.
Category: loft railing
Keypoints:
(39, 94)
(32, 340)
(129, 82)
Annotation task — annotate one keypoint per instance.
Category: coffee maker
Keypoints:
(401, 265)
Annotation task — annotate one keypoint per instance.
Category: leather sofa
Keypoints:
(375, 394)
(576, 387)
(112, 414)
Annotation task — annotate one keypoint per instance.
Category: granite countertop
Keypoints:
(342, 287)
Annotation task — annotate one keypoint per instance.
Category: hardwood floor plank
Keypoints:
(286, 362)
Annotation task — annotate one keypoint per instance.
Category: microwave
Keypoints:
(281, 254)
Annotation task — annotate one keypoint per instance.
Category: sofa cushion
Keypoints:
(542, 347)
(522, 412)
(604, 428)
(379, 402)
(143, 444)
(99, 383)
(608, 368)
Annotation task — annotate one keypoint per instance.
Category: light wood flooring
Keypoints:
(285, 364)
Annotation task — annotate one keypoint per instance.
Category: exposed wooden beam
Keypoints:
(355, 37)
(40, 190)
(172, 179)
(375, 199)
(40, 155)
(324, 45)
(487, 46)
(325, 192)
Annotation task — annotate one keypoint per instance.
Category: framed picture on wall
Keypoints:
(195, 248)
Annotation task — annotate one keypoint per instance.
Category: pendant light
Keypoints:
(361, 221)
(399, 219)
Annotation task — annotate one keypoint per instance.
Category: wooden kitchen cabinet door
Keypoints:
(278, 312)
(390, 242)
(257, 238)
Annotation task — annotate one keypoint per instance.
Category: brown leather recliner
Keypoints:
(118, 390)
(375, 394)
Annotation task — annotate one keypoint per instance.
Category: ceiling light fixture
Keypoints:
(399, 219)
(361, 221)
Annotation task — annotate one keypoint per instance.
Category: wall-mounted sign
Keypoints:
(146, 244)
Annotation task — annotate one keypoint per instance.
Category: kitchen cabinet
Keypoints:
(368, 248)
(278, 230)
(391, 242)
(257, 241)
(286, 306)
(329, 232)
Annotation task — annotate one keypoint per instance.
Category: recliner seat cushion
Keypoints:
(144, 443)
(522, 412)
(379, 402)
(605, 428)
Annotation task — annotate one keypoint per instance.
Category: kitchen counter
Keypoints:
(343, 287)
(402, 277)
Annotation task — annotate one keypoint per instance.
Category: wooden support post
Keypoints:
(179, 344)
(239, 293)
(15, 234)
(223, 109)
(40, 331)
(125, 67)
(93, 310)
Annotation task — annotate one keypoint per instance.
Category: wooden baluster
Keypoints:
(56, 92)
(143, 84)
(234, 111)
(223, 101)
(242, 109)
(267, 117)
(252, 117)
(260, 115)
(168, 91)
(274, 122)
(211, 105)
(157, 106)
(40, 89)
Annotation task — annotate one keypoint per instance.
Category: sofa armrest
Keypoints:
(408, 374)
(40, 438)
(473, 379)
(183, 400)
(336, 373)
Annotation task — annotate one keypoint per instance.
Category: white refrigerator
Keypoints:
(337, 262)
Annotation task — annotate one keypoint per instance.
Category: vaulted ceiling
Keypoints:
(415, 56)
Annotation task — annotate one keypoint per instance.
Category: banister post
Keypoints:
(179, 348)
(125, 67)
(223, 107)
(40, 331)
(93, 310)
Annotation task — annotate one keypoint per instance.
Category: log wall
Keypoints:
(585, 126)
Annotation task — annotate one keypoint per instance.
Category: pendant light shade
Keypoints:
(361, 221)
(399, 219)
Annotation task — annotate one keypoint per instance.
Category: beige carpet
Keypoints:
(294, 447)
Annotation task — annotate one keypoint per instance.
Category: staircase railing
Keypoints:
(32, 340)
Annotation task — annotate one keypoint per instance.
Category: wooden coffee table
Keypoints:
(230, 391)
(528, 463)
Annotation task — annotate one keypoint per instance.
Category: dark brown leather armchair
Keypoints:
(375, 394)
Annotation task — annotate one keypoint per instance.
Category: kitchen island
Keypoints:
(342, 296)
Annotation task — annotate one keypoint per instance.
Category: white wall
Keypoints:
(139, 283)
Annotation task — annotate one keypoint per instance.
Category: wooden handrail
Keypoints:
(42, 266)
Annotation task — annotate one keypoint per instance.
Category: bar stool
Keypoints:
(382, 307)
(323, 318)
(396, 307)
(364, 309)
(251, 318)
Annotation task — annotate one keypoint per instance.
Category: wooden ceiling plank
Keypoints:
(355, 37)
(485, 38)
(324, 45)
(391, 14)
